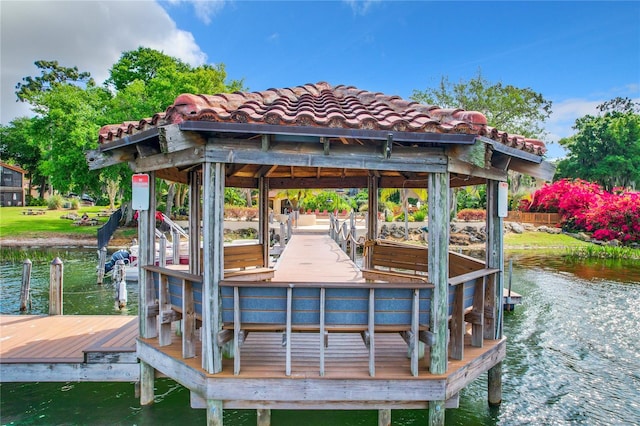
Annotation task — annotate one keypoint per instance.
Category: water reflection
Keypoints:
(573, 357)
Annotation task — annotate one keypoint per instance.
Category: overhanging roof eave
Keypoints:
(331, 132)
(512, 152)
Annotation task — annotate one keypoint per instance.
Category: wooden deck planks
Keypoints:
(62, 339)
(315, 257)
(346, 357)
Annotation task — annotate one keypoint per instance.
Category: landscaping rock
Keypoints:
(517, 228)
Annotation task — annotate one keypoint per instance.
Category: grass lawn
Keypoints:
(540, 240)
(15, 224)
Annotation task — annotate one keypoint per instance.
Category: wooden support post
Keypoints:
(494, 296)
(438, 267)
(146, 288)
(213, 267)
(25, 289)
(195, 215)
(372, 217)
(102, 260)
(55, 286)
(263, 231)
(147, 377)
(264, 417)
(214, 412)
(438, 271)
(495, 384)
(436, 411)
(384, 417)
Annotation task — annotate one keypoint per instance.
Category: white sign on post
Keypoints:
(503, 203)
(140, 191)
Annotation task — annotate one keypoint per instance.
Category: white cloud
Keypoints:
(204, 9)
(360, 7)
(88, 34)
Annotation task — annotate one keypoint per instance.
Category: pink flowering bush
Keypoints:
(585, 206)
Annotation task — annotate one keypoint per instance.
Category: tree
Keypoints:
(18, 145)
(507, 108)
(606, 147)
(67, 105)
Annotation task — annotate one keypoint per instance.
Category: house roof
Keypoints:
(12, 167)
(346, 110)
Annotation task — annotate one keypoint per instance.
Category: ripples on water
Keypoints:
(573, 357)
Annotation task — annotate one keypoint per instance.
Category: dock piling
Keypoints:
(102, 260)
(25, 289)
(55, 287)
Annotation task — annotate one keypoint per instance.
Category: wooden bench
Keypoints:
(323, 308)
(246, 262)
(394, 262)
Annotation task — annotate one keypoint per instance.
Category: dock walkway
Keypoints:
(309, 256)
(87, 348)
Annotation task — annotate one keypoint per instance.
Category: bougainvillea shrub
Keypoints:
(585, 206)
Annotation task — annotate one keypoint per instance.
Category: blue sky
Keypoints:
(576, 54)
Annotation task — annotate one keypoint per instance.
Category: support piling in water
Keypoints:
(55, 287)
(102, 260)
(25, 289)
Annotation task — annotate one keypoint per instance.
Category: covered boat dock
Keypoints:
(408, 329)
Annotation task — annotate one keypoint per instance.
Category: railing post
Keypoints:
(345, 236)
(352, 238)
(283, 239)
(175, 242)
(163, 251)
(289, 230)
(55, 287)
(102, 259)
(25, 298)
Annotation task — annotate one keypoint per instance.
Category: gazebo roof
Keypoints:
(344, 112)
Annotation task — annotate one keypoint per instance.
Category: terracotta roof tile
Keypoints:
(323, 105)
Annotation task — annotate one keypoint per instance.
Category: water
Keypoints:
(573, 357)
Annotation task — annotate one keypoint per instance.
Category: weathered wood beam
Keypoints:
(97, 159)
(262, 171)
(187, 157)
(458, 166)
(311, 155)
(69, 372)
(172, 139)
(545, 170)
(173, 174)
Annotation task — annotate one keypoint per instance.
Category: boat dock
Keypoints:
(75, 348)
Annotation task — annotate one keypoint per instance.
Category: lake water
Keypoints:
(573, 356)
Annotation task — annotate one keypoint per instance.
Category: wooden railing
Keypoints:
(322, 308)
(550, 219)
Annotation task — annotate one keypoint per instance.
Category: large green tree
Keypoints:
(512, 109)
(606, 147)
(67, 105)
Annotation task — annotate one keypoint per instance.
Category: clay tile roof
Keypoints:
(322, 105)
